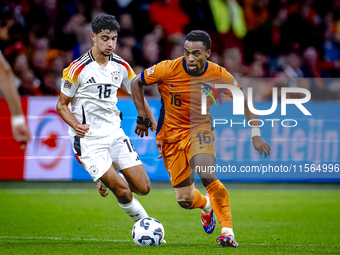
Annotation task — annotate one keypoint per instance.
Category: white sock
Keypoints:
(134, 209)
(228, 231)
(207, 208)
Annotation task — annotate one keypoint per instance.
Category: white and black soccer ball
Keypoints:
(148, 232)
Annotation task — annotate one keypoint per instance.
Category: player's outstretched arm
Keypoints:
(259, 144)
(8, 88)
(139, 101)
(65, 113)
(20, 130)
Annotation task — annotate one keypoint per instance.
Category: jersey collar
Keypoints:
(90, 54)
(186, 70)
(92, 58)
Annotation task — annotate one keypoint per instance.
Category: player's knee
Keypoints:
(141, 188)
(121, 191)
(145, 189)
(185, 204)
(207, 181)
(185, 196)
(185, 201)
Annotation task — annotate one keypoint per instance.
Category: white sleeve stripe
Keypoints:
(76, 65)
(80, 63)
(235, 83)
(80, 59)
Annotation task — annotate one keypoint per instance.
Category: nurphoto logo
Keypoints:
(238, 103)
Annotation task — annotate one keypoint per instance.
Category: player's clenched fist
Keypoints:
(81, 130)
(21, 134)
(143, 125)
(141, 130)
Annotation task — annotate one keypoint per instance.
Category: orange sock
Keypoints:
(219, 201)
(199, 200)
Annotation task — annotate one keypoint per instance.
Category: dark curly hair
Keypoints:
(104, 22)
(201, 36)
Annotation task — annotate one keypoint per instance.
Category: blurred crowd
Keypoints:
(263, 43)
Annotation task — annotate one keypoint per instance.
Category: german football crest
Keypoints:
(116, 78)
(93, 170)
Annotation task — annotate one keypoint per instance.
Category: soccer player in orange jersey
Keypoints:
(184, 135)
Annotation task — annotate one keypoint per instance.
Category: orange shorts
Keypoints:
(177, 156)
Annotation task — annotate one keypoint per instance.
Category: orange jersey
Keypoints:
(182, 94)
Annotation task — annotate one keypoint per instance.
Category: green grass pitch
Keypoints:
(71, 218)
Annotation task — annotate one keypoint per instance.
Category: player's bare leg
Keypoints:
(104, 190)
(185, 191)
(190, 198)
(219, 198)
(122, 191)
(185, 195)
(137, 179)
(117, 185)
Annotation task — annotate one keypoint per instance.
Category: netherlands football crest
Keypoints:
(207, 89)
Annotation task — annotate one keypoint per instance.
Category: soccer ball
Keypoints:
(148, 232)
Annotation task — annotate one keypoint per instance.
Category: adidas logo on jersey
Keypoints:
(92, 80)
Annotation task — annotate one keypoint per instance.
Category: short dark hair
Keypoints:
(104, 22)
(199, 35)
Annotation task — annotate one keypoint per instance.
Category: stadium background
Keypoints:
(262, 43)
(270, 43)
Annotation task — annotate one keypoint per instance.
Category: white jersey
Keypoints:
(94, 91)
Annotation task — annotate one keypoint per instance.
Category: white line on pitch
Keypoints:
(298, 245)
(109, 240)
(47, 191)
(60, 238)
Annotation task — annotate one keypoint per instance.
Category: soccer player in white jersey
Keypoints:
(90, 84)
